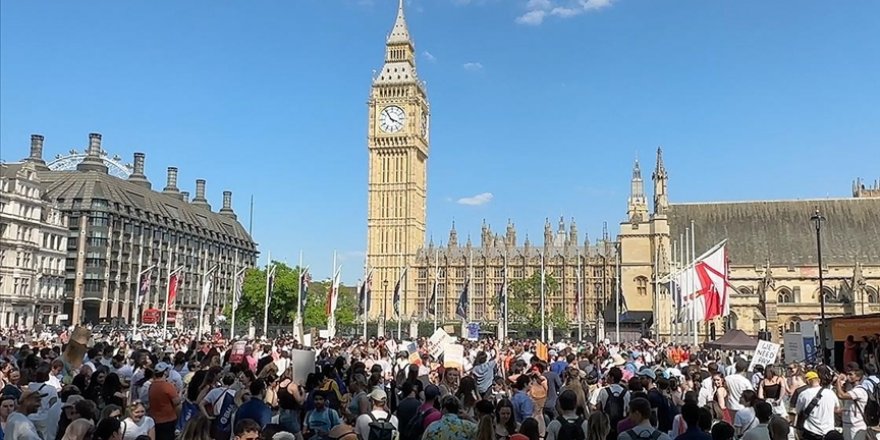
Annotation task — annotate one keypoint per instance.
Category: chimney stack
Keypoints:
(184, 195)
(227, 205)
(36, 156)
(137, 175)
(171, 183)
(93, 161)
(199, 199)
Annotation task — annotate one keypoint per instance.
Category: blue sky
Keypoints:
(543, 104)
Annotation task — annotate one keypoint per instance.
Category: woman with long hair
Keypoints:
(138, 422)
(505, 422)
(467, 395)
(794, 378)
(291, 398)
(572, 379)
(198, 428)
(108, 429)
(529, 430)
(112, 392)
(485, 428)
(772, 390)
(449, 384)
(79, 429)
(720, 398)
(93, 391)
(598, 426)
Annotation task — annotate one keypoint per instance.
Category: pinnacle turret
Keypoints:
(399, 33)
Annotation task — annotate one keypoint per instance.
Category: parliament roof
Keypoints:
(782, 231)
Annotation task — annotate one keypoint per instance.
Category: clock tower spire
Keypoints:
(397, 143)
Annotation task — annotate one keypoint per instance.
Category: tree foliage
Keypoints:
(285, 294)
(524, 301)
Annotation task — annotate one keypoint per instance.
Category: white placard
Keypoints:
(438, 342)
(793, 346)
(765, 354)
(302, 363)
(453, 356)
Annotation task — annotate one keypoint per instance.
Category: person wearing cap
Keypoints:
(429, 408)
(820, 419)
(378, 398)
(54, 414)
(164, 403)
(18, 425)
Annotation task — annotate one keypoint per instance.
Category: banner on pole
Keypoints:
(808, 332)
(765, 354)
(473, 331)
(453, 356)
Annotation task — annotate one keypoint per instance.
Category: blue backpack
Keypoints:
(223, 422)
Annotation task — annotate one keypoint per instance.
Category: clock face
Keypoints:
(391, 119)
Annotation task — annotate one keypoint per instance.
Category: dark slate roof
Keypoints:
(782, 231)
(70, 185)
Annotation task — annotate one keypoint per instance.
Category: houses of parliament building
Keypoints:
(771, 244)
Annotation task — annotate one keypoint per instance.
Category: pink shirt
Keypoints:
(432, 416)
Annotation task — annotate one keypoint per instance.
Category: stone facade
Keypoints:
(117, 228)
(33, 249)
(771, 251)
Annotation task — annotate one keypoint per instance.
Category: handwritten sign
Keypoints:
(437, 343)
(765, 354)
(237, 355)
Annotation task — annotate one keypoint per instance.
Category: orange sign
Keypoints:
(857, 327)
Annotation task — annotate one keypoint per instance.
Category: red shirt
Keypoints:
(162, 395)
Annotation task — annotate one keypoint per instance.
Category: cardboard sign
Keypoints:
(302, 363)
(794, 347)
(808, 333)
(237, 355)
(413, 349)
(765, 354)
(438, 342)
(453, 356)
(391, 345)
(473, 331)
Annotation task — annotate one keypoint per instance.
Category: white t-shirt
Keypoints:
(759, 432)
(133, 430)
(854, 410)
(821, 419)
(19, 427)
(745, 420)
(39, 418)
(52, 419)
(736, 384)
(363, 422)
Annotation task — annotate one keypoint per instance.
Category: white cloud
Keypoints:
(472, 67)
(477, 200)
(429, 57)
(538, 10)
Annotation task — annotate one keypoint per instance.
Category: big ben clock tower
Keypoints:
(398, 147)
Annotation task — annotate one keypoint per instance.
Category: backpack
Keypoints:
(872, 406)
(805, 413)
(223, 422)
(416, 426)
(615, 408)
(571, 430)
(381, 429)
(655, 434)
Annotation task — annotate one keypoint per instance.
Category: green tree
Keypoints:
(316, 305)
(253, 297)
(524, 301)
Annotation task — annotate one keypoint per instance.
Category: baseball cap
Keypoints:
(161, 367)
(811, 375)
(378, 396)
(432, 392)
(28, 394)
(71, 401)
(647, 372)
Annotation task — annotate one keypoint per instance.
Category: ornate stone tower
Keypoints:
(398, 146)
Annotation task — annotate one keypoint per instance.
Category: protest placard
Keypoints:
(237, 354)
(453, 356)
(302, 364)
(437, 343)
(793, 344)
(765, 354)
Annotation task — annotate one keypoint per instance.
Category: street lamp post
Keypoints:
(817, 218)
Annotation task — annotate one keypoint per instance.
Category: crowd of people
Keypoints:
(146, 387)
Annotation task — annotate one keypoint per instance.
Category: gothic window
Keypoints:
(784, 296)
(730, 322)
(423, 272)
(794, 325)
(641, 285)
(745, 290)
(872, 295)
(479, 273)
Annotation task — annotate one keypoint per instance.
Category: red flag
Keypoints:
(172, 292)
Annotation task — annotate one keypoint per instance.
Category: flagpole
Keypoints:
(580, 297)
(397, 302)
(693, 283)
(207, 284)
(167, 295)
(617, 297)
(297, 332)
(331, 317)
(270, 271)
(656, 324)
(135, 306)
(436, 286)
(137, 298)
(676, 299)
(506, 303)
(363, 298)
(470, 279)
(237, 286)
(543, 326)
